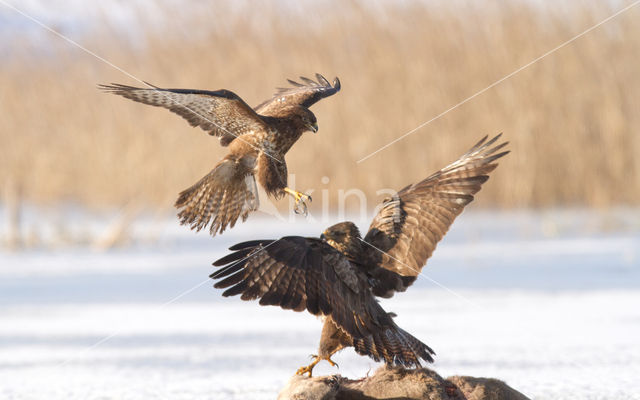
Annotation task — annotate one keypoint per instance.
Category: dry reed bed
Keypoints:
(572, 118)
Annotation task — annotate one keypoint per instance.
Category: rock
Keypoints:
(398, 383)
(485, 388)
(302, 388)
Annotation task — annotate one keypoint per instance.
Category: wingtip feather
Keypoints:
(322, 80)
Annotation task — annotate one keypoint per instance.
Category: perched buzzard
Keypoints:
(258, 138)
(339, 275)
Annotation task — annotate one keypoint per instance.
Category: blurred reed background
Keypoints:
(572, 118)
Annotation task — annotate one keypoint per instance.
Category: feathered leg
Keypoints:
(332, 340)
(272, 175)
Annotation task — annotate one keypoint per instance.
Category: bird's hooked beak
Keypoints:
(323, 237)
(313, 127)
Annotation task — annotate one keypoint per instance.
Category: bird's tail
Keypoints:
(396, 346)
(221, 197)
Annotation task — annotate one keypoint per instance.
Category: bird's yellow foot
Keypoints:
(301, 206)
(309, 368)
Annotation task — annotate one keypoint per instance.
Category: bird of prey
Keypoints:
(258, 139)
(339, 275)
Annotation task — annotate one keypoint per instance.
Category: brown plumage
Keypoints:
(339, 275)
(258, 139)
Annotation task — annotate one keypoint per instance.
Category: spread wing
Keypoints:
(220, 112)
(300, 273)
(406, 230)
(305, 94)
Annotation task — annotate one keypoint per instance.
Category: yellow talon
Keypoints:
(301, 206)
(299, 196)
(309, 368)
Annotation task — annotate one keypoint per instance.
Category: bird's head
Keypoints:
(306, 119)
(313, 124)
(310, 122)
(344, 237)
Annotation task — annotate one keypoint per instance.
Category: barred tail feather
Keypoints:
(219, 199)
(395, 346)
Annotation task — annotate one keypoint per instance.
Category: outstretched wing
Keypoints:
(300, 273)
(305, 94)
(220, 112)
(408, 227)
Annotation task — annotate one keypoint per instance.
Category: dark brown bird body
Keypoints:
(258, 139)
(339, 275)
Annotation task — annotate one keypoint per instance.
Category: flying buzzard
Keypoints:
(339, 275)
(258, 138)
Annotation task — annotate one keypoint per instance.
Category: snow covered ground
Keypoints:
(547, 301)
